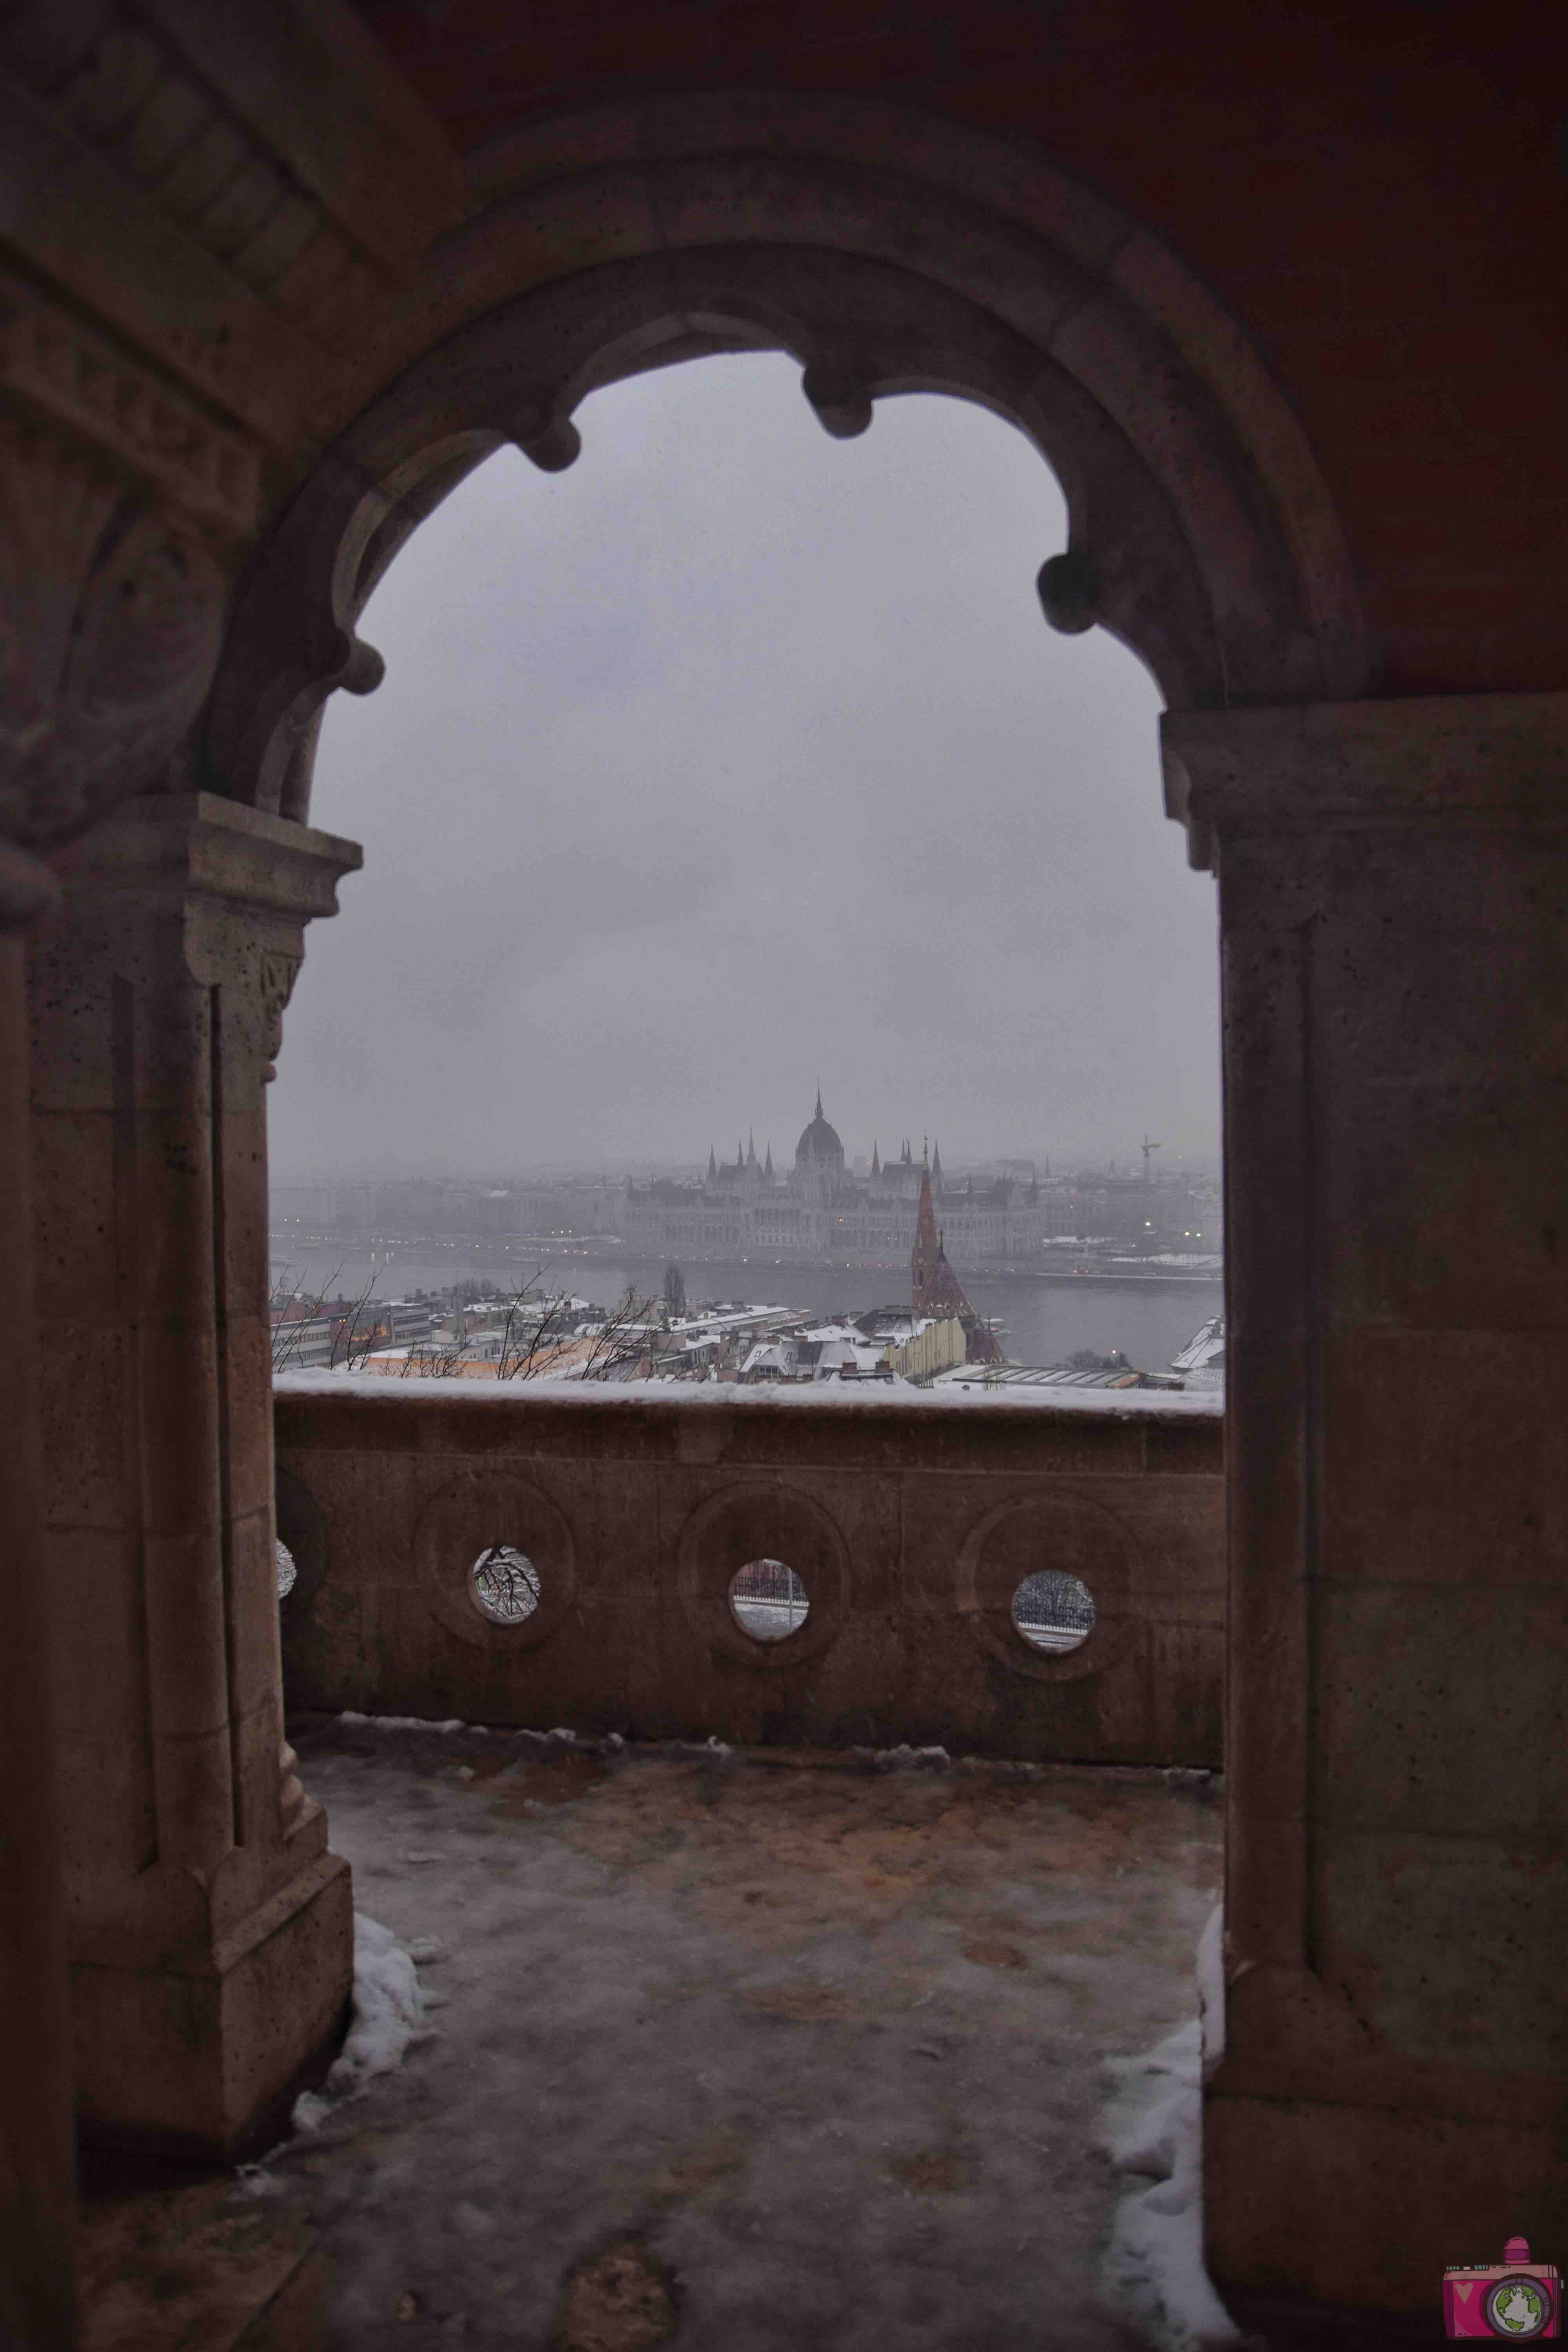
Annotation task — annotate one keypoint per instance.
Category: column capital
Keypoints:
(234, 884)
(1496, 763)
(167, 845)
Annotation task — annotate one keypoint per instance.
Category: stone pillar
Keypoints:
(38, 2154)
(111, 596)
(1393, 906)
(210, 1930)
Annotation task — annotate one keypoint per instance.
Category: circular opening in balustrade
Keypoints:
(768, 1600)
(287, 1572)
(1053, 1613)
(505, 1585)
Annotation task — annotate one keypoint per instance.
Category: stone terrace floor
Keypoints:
(771, 2053)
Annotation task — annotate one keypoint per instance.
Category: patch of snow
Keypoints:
(1153, 2133)
(388, 2009)
(388, 2016)
(906, 1759)
(641, 1397)
(610, 1743)
(254, 2180)
(402, 1722)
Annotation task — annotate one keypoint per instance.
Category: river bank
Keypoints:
(1041, 1320)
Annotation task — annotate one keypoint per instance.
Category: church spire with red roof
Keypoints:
(926, 1258)
(935, 1288)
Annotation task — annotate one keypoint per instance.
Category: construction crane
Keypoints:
(1147, 1147)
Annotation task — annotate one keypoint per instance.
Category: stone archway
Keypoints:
(888, 253)
(1372, 855)
(1392, 880)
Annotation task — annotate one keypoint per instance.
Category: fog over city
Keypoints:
(734, 758)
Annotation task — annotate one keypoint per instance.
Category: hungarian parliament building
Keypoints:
(820, 1209)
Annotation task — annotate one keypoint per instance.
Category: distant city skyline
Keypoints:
(734, 757)
(812, 1201)
(458, 1170)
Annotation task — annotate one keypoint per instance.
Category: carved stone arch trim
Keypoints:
(887, 252)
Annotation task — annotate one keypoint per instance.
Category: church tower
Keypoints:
(935, 1288)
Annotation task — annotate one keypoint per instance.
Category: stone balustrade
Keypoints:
(615, 1520)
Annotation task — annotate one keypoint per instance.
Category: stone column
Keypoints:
(119, 507)
(38, 2151)
(1393, 906)
(210, 1930)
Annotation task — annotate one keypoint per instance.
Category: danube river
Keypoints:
(1039, 1322)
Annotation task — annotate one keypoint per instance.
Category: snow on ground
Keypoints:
(409, 1722)
(1192, 1780)
(708, 1396)
(1155, 2269)
(389, 2007)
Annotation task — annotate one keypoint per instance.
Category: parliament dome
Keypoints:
(819, 1141)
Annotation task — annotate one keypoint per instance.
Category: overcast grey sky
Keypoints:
(734, 757)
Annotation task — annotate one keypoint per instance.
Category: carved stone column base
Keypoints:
(1360, 2206)
(204, 2057)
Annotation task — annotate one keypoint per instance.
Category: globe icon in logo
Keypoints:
(1518, 2307)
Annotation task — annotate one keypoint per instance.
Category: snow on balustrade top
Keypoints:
(723, 1396)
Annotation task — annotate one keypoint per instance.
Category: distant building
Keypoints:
(936, 1344)
(821, 1208)
(1202, 1361)
(935, 1288)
